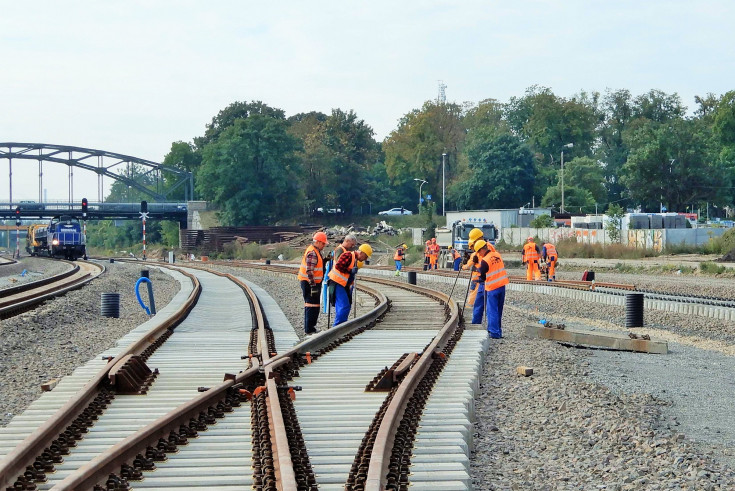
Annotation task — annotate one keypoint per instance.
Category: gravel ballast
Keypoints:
(62, 334)
(580, 422)
(586, 419)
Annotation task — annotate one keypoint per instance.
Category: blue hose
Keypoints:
(137, 293)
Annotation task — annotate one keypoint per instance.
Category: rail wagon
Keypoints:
(62, 237)
(33, 246)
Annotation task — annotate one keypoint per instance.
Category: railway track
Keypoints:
(21, 298)
(600, 292)
(246, 431)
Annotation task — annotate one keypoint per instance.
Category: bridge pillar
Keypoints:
(193, 221)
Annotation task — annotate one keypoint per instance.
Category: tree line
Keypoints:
(259, 166)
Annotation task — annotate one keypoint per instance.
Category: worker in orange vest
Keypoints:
(531, 256)
(548, 253)
(493, 274)
(399, 257)
(342, 276)
(311, 275)
(474, 236)
(433, 253)
(427, 254)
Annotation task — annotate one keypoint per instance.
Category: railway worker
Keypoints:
(399, 257)
(311, 275)
(427, 254)
(492, 273)
(479, 299)
(549, 255)
(531, 257)
(456, 259)
(342, 276)
(474, 236)
(433, 253)
(348, 244)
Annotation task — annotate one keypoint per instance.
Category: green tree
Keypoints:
(614, 223)
(542, 221)
(414, 150)
(250, 172)
(617, 110)
(182, 156)
(673, 164)
(500, 173)
(548, 122)
(229, 115)
(583, 186)
(313, 155)
(121, 193)
(351, 153)
(658, 106)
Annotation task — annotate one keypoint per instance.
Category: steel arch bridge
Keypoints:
(102, 163)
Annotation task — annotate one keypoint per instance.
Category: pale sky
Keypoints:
(132, 77)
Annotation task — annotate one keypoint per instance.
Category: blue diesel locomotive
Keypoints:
(62, 237)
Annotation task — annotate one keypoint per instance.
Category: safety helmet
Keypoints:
(404, 245)
(475, 234)
(530, 239)
(479, 245)
(366, 249)
(321, 237)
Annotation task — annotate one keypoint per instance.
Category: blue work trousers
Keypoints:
(479, 307)
(342, 304)
(399, 265)
(495, 302)
(457, 263)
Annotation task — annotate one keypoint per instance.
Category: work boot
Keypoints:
(398, 273)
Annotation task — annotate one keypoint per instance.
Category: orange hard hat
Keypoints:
(530, 239)
(321, 237)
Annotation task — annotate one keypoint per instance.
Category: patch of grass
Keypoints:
(571, 248)
(711, 268)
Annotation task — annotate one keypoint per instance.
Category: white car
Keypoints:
(396, 211)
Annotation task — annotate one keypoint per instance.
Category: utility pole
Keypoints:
(568, 145)
(444, 183)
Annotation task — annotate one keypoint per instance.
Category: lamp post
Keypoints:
(444, 181)
(568, 145)
(420, 186)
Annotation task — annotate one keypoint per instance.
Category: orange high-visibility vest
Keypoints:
(398, 256)
(550, 250)
(338, 276)
(318, 270)
(455, 254)
(530, 253)
(496, 275)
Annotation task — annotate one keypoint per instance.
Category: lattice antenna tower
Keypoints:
(442, 97)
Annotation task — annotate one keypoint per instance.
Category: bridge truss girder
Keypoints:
(106, 161)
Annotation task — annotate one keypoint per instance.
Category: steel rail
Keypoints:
(125, 451)
(42, 282)
(380, 455)
(39, 292)
(4, 261)
(26, 452)
(108, 462)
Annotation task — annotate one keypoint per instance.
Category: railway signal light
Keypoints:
(17, 216)
(84, 207)
(144, 207)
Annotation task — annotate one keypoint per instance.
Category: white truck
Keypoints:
(456, 236)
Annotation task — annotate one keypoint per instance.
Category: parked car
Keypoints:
(396, 211)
